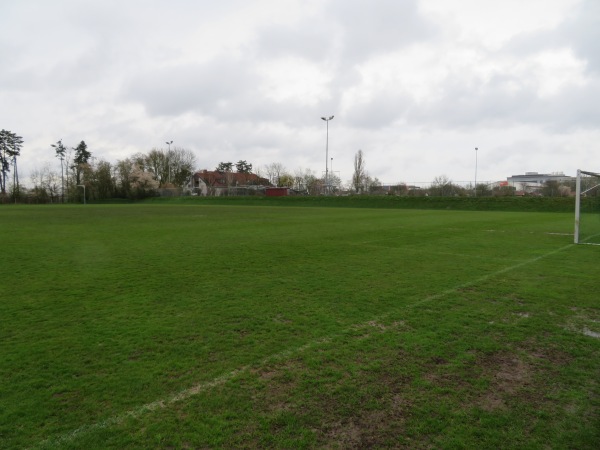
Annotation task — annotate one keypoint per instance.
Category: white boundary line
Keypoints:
(588, 238)
(207, 385)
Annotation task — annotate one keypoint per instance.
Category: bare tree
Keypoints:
(399, 189)
(182, 163)
(103, 185)
(313, 185)
(373, 185)
(441, 186)
(274, 171)
(173, 166)
(359, 175)
(46, 183)
(299, 180)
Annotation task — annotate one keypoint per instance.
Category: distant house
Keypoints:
(218, 183)
(533, 181)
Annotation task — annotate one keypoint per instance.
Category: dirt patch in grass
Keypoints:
(508, 375)
(376, 423)
(369, 429)
(518, 376)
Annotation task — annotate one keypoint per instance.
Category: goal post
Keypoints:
(587, 208)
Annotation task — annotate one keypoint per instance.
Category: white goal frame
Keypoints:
(578, 195)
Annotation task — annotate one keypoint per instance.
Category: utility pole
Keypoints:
(476, 171)
(327, 119)
(169, 159)
(16, 178)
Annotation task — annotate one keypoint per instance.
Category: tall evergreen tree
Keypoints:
(243, 167)
(82, 157)
(10, 148)
(61, 151)
(225, 167)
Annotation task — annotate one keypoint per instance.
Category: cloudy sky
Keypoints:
(415, 84)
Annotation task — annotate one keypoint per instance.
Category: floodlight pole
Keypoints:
(83, 186)
(476, 171)
(327, 119)
(15, 178)
(577, 207)
(169, 159)
(62, 180)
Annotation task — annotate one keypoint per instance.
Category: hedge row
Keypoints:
(525, 204)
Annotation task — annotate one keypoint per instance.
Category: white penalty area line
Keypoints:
(589, 238)
(174, 398)
(488, 276)
(221, 380)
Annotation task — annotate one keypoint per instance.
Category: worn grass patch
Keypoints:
(190, 326)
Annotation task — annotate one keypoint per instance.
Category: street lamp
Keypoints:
(332, 173)
(83, 186)
(327, 119)
(169, 158)
(476, 171)
(62, 178)
(15, 177)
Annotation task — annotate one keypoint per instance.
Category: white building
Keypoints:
(532, 181)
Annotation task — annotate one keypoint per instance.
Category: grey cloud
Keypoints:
(308, 40)
(207, 88)
(580, 32)
(380, 111)
(363, 30)
(379, 26)
(583, 32)
(577, 108)
(226, 90)
(463, 105)
(507, 100)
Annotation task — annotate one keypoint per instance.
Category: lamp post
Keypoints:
(332, 173)
(15, 177)
(83, 186)
(327, 119)
(62, 178)
(476, 171)
(169, 159)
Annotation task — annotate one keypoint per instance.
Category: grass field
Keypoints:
(205, 326)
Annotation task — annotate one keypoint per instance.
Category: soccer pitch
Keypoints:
(194, 326)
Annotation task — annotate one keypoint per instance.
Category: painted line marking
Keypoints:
(207, 385)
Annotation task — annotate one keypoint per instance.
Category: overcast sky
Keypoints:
(415, 84)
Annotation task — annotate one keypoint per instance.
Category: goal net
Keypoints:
(587, 208)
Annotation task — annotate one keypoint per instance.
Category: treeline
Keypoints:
(516, 204)
(442, 186)
(137, 177)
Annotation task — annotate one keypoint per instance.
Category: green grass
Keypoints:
(204, 326)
